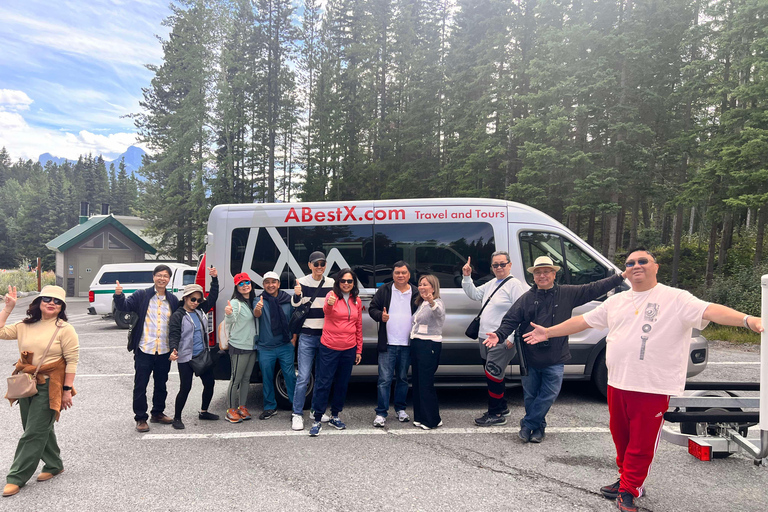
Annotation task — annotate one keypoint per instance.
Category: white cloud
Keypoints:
(25, 141)
(14, 100)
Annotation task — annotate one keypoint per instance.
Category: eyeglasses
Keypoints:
(195, 299)
(542, 272)
(243, 283)
(500, 265)
(162, 276)
(640, 261)
(56, 301)
(347, 281)
(318, 263)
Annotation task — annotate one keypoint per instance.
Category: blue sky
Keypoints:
(70, 69)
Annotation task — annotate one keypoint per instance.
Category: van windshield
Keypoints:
(127, 277)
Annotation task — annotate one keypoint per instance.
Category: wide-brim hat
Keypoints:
(57, 292)
(192, 288)
(543, 262)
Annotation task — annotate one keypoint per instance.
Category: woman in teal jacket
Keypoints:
(243, 334)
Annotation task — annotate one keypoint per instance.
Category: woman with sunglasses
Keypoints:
(426, 346)
(187, 338)
(341, 347)
(243, 332)
(45, 324)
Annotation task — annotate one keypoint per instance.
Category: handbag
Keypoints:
(132, 324)
(300, 312)
(473, 329)
(24, 385)
(201, 362)
(222, 333)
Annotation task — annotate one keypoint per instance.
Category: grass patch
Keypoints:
(24, 281)
(737, 335)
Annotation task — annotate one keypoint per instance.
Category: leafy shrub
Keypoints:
(740, 290)
(24, 281)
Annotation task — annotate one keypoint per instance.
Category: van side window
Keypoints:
(437, 248)
(577, 267)
(126, 277)
(188, 277)
(265, 252)
(353, 243)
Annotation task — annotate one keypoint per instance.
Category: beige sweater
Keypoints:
(35, 337)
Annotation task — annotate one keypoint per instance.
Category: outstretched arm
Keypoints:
(724, 315)
(570, 326)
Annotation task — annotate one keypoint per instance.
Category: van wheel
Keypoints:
(122, 318)
(600, 374)
(281, 392)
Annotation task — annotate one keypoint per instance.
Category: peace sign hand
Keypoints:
(10, 298)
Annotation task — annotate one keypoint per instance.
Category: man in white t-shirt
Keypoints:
(649, 336)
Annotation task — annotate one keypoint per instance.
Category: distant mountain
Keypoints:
(132, 157)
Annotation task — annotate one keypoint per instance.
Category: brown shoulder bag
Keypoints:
(23, 385)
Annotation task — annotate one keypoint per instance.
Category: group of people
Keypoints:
(649, 331)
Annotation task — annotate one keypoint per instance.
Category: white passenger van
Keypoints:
(434, 236)
(132, 276)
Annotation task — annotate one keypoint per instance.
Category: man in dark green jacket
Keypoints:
(547, 304)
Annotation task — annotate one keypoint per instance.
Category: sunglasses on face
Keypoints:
(319, 263)
(58, 302)
(195, 299)
(243, 283)
(500, 265)
(347, 281)
(640, 261)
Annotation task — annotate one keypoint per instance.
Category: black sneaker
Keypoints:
(611, 492)
(524, 435)
(268, 413)
(626, 502)
(489, 420)
(207, 416)
(506, 412)
(537, 436)
(177, 424)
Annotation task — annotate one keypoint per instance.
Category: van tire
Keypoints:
(122, 318)
(281, 394)
(600, 374)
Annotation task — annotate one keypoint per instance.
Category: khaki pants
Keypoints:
(38, 442)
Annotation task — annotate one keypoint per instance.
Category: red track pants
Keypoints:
(636, 422)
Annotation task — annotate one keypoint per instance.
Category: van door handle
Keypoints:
(365, 296)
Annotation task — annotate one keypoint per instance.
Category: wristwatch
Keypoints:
(66, 388)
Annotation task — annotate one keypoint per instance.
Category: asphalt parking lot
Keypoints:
(222, 466)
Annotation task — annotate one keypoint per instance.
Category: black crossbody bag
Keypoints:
(300, 313)
(473, 330)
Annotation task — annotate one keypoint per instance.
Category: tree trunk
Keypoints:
(693, 217)
(676, 238)
(761, 218)
(710, 272)
(725, 241)
(591, 228)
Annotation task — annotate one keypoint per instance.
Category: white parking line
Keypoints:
(371, 432)
(101, 348)
(733, 363)
(103, 375)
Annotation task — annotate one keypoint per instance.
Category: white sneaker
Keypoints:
(297, 422)
(402, 416)
(326, 418)
(379, 421)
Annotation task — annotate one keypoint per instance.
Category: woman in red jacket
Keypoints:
(341, 347)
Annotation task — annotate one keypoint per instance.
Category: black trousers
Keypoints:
(425, 358)
(185, 379)
(146, 365)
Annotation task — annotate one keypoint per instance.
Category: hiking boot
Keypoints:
(489, 420)
(142, 426)
(177, 424)
(243, 412)
(161, 418)
(537, 436)
(205, 415)
(402, 416)
(233, 416)
(316, 428)
(379, 421)
(626, 502)
(611, 492)
(336, 423)
(524, 435)
(297, 422)
(267, 413)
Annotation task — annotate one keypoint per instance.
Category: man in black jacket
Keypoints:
(151, 350)
(392, 307)
(547, 304)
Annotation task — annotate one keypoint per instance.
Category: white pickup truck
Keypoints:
(132, 276)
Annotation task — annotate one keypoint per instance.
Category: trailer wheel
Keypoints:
(281, 392)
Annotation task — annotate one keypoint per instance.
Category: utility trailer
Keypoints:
(713, 423)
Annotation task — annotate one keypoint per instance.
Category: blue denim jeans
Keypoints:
(393, 365)
(267, 359)
(540, 389)
(306, 350)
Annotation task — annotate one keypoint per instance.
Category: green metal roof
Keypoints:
(82, 232)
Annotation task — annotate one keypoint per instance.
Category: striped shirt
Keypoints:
(313, 324)
(155, 337)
